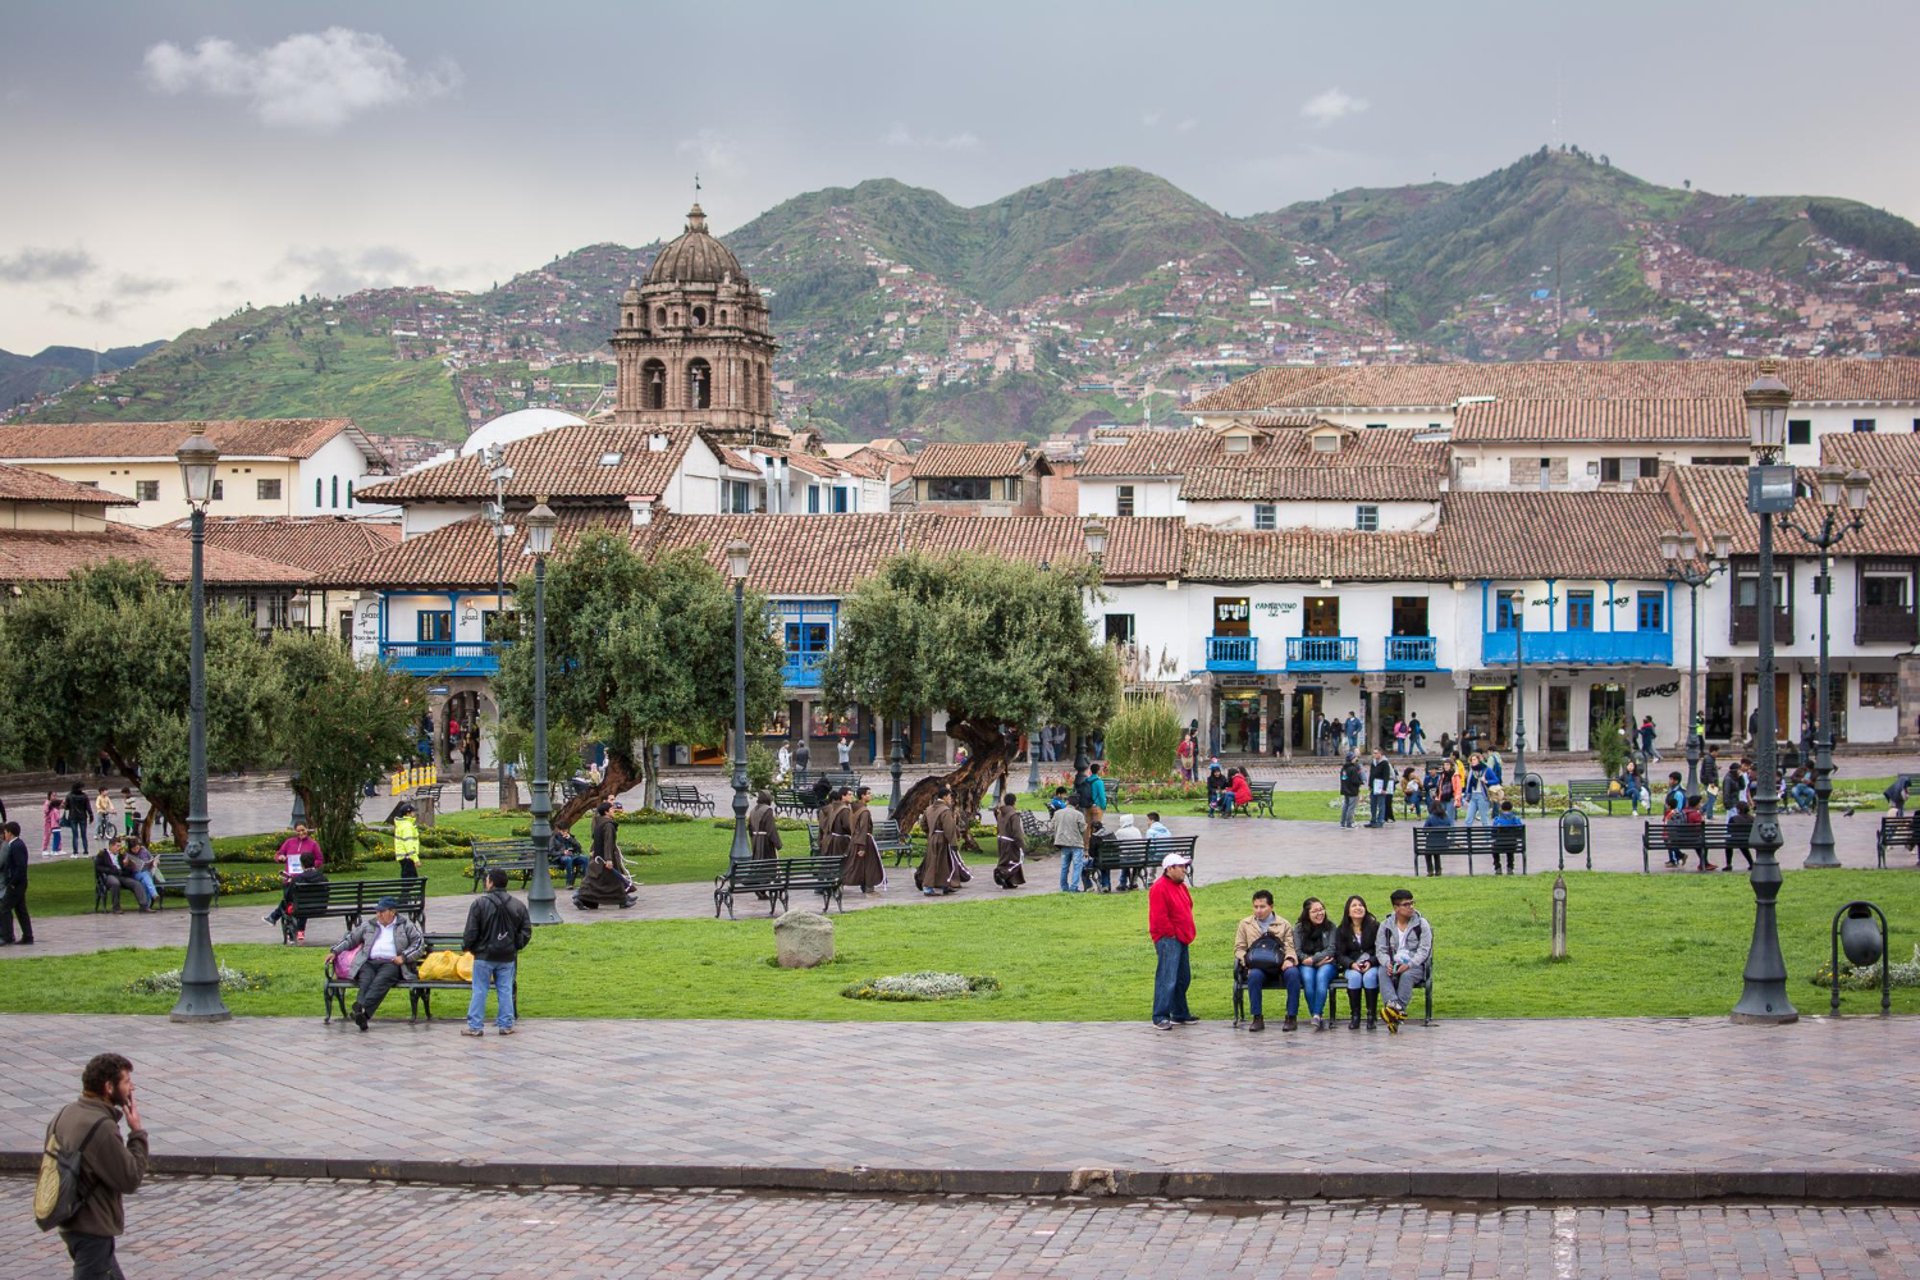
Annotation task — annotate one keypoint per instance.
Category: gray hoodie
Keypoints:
(1415, 938)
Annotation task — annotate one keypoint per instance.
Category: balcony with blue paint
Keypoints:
(802, 670)
(1413, 653)
(1579, 648)
(443, 658)
(1323, 653)
(1233, 653)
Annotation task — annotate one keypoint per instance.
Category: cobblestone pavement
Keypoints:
(212, 1229)
(1228, 849)
(1587, 1095)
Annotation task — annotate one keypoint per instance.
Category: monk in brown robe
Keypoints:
(836, 826)
(941, 870)
(606, 882)
(763, 835)
(862, 866)
(1008, 873)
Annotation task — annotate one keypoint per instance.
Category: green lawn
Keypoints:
(1667, 946)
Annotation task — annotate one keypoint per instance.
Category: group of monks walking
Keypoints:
(846, 833)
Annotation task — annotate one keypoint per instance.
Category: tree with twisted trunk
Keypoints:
(998, 645)
(638, 651)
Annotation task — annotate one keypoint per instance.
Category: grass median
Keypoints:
(1668, 946)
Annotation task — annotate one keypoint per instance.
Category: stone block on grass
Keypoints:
(803, 939)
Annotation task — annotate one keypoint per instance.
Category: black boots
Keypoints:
(1353, 1010)
(1373, 1008)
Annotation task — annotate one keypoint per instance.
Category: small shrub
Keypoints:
(1868, 979)
(168, 982)
(651, 817)
(1610, 741)
(1143, 738)
(923, 986)
(760, 766)
(231, 882)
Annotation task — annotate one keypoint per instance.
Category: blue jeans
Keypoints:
(1479, 808)
(1073, 868)
(1379, 809)
(1803, 797)
(146, 882)
(1707, 802)
(1315, 980)
(1370, 979)
(574, 864)
(1347, 805)
(499, 976)
(79, 830)
(1171, 977)
(1258, 980)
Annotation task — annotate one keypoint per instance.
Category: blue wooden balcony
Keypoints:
(1413, 653)
(443, 657)
(1323, 653)
(802, 670)
(1581, 648)
(1233, 653)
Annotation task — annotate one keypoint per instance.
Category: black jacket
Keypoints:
(1347, 949)
(13, 863)
(1350, 779)
(1381, 771)
(498, 927)
(79, 808)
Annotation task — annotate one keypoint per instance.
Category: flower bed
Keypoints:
(923, 986)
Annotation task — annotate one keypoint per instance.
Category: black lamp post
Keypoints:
(1681, 552)
(541, 908)
(200, 976)
(1836, 523)
(1520, 701)
(1770, 492)
(1095, 535)
(895, 758)
(499, 473)
(738, 554)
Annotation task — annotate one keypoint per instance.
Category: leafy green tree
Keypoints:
(98, 665)
(638, 652)
(1000, 646)
(339, 725)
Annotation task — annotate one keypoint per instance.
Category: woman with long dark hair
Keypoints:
(1313, 939)
(1353, 945)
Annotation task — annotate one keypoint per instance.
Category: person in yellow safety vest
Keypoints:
(406, 840)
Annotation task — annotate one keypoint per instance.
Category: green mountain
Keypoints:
(24, 377)
(1100, 296)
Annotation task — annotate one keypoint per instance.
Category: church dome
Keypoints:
(696, 257)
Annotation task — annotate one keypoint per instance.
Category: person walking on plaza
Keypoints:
(606, 882)
(1350, 780)
(1170, 925)
(1379, 790)
(383, 949)
(863, 867)
(1070, 842)
(110, 1167)
(1479, 808)
(498, 930)
(13, 888)
(802, 757)
(1647, 734)
(1009, 872)
(51, 814)
(1709, 784)
(845, 749)
(836, 828)
(1354, 729)
(784, 761)
(1405, 944)
(1264, 953)
(1416, 736)
(763, 829)
(406, 840)
(79, 817)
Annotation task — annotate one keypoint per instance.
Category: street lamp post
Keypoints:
(1836, 522)
(541, 523)
(895, 758)
(737, 563)
(1095, 535)
(1770, 492)
(200, 975)
(1681, 552)
(499, 473)
(1520, 702)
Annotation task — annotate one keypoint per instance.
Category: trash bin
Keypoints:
(470, 789)
(1533, 791)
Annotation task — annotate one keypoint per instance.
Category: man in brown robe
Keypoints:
(1008, 872)
(862, 866)
(606, 882)
(763, 832)
(941, 870)
(836, 829)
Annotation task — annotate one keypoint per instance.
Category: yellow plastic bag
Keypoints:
(463, 967)
(442, 966)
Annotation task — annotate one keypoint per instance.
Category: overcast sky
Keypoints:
(168, 161)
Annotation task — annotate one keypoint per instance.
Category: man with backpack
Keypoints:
(498, 930)
(1350, 779)
(87, 1167)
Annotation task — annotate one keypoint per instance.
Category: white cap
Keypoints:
(1175, 860)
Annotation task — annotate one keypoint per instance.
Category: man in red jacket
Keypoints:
(1170, 925)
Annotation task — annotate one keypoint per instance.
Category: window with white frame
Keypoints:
(1123, 500)
(1265, 515)
(1366, 518)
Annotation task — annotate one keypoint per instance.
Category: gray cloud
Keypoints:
(99, 312)
(38, 266)
(126, 286)
(901, 136)
(333, 272)
(314, 80)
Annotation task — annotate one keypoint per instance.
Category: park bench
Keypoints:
(887, 836)
(1137, 859)
(1259, 799)
(789, 803)
(1424, 983)
(776, 879)
(682, 799)
(338, 992)
(1900, 833)
(1035, 827)
(1593, 791)
(804, 779)
(1499, 843)
(514, 856)
(172, 878)
(351, 900)
(1700, 838)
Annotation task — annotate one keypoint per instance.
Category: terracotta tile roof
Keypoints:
(1303, 483)
(793, 555)
(234, 437)
(999, 458)
(1588, 534)
(1610, 421)
(312, 543)
(563, 465)
(1140, 452)
(1715, 500)
(1307, 555)
(1874, 450)
(1280, 464)
(37, 555)
(21, 484)
(1889, 380)
(729, 457)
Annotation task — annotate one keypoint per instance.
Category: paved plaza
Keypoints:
(213, 1229)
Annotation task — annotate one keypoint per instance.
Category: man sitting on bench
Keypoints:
(387, 948)
(563, 854)
(1263, 949)
(1405, 944)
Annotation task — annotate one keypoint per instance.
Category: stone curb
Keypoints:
(1871, 1186)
